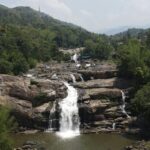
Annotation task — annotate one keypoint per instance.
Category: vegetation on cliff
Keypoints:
(6, 125)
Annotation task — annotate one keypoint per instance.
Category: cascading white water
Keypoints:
(73, 78)
(81, 77)
(52, 118)
(114, 126)
(75, 58)
(123, 106)
(69, 118)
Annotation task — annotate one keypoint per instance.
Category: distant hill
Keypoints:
(66, 34)
(131, 33)
(113, 31)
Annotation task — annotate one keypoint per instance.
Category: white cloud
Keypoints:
(95, 15)
(86, 13)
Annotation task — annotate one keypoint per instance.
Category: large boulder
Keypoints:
(94, 74)
(99, 93)
(104, 83)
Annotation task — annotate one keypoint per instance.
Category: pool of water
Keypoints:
(82, 142)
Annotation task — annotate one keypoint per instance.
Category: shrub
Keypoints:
(141, 102)
(6, 125)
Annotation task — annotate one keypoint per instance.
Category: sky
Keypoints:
(93, 15)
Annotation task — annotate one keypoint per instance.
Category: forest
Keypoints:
(28, 37)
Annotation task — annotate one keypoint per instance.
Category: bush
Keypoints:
(5, 66)
(20, 66)
(32, 62)
(6, 125)
(141, 102)
(133, 62)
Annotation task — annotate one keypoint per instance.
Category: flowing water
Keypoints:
(69, 120)
(81, 77)
(75, 58)
(73, 78)
(52, 118)
(124, 105)
(114, 126)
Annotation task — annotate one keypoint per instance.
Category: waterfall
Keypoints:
(54, 76)
(29, 75)
(114, 126)
(81, 77)
(75, 58)
(73, 78)
(52, 118)
(69, 118)
(78, 65)
(87, 65)
(123, 106)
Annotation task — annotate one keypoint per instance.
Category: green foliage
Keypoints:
(6, 125)
(28, 36)
(141, 102)
(99, 49)
(5, 66)
(32, 62)
(134, 61)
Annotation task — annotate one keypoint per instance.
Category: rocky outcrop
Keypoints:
(30, 100)
(31, 145)
(103, 93)
(90, 74)
(141, 145)
(105, 83)
(100, 97)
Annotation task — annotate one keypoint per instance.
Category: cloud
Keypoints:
(132, 13)
(95, 15)
(86, 13)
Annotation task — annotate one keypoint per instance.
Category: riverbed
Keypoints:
(82, 142)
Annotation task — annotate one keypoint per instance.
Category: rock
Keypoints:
(41, 109)
(31, 145)
(99, 93)
(98, 106)
(104, 83)
(19, 91)
(141, 145)
(103, 123)
(87, 74)
(9, 78)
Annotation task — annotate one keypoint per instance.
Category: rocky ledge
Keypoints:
(30, 100)
(141, 145)
(101, 105)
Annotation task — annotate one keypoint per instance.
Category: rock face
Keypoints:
(89, 74)
(104, 83)
(100, 96)
(141, 145)
(30, 100)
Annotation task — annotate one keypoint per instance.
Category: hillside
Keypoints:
(28, 36)
(65, 34)
(130, 33)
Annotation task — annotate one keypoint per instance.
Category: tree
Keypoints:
(132, 62)
(6, 125)
(141, 102)
(5, 66)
